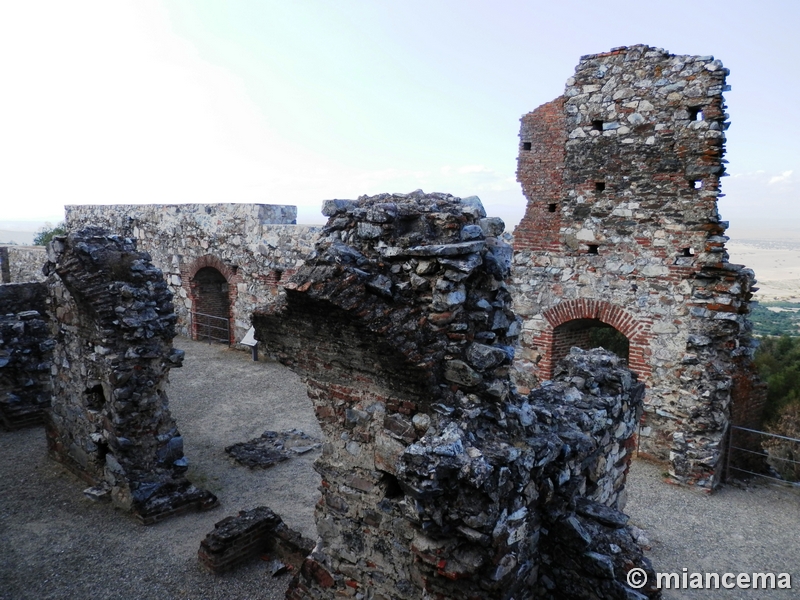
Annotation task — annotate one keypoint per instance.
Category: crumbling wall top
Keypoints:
(437, 478)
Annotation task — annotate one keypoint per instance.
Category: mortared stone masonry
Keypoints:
(622, 176)
(438, 479)
(113, 323)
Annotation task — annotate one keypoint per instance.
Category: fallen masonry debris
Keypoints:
(437, 477)
(237, 540)
(110, 422)
(272, 448)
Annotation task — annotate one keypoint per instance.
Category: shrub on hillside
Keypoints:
(784, 455)
(778, 363)
(48, 232)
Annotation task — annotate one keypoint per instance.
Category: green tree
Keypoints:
(48, 232)
(778, 363)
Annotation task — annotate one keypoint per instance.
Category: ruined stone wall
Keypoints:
(438, 479)
(21, 264)
(113, 324)
(252, 245)
(25, 353)
(622, 177)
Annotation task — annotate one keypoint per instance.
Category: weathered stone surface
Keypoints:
(25, 355)
(236, 540)
(622, 175)
(21, 264)
(438, 480)
(251, 247)
(113, 324)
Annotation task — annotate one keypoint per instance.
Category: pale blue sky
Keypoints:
(292, 102)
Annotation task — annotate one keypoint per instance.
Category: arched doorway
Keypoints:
(211, 306)
(587, 334)
(588, 323)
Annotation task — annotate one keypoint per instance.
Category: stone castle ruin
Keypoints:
(622, 235)
(472, 451)
(25, 348)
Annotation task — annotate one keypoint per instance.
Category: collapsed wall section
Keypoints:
(437, 478)
(622, 177)
(249, 246)
(113, 324)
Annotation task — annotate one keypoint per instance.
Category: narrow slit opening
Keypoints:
(551, 208)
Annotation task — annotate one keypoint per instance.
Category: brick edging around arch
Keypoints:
(636, 330)
(231, 275)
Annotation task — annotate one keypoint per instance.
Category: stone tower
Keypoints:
(622, 175)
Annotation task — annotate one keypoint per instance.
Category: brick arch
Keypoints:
(209, 260)
(231, 275)
(636, 330)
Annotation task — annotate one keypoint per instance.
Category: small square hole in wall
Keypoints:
(697, 184)
(526, 146)
(687, 252)
(597, 125)
(551, 207)
(599, 186)
(592, 249)
(695, 113)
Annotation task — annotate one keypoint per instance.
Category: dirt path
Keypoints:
(55, 543)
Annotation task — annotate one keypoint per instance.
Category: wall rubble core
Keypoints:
(113, 323)
(622, 176)
(438, 479)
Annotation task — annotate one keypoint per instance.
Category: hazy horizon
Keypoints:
(262, 101)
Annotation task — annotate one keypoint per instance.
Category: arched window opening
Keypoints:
(587, 334)
(211, 311)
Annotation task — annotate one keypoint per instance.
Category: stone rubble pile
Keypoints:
(113, 325)
(272, 447)
(438, 479)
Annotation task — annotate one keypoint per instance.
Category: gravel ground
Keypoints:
(738, 529)
(58, 544)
